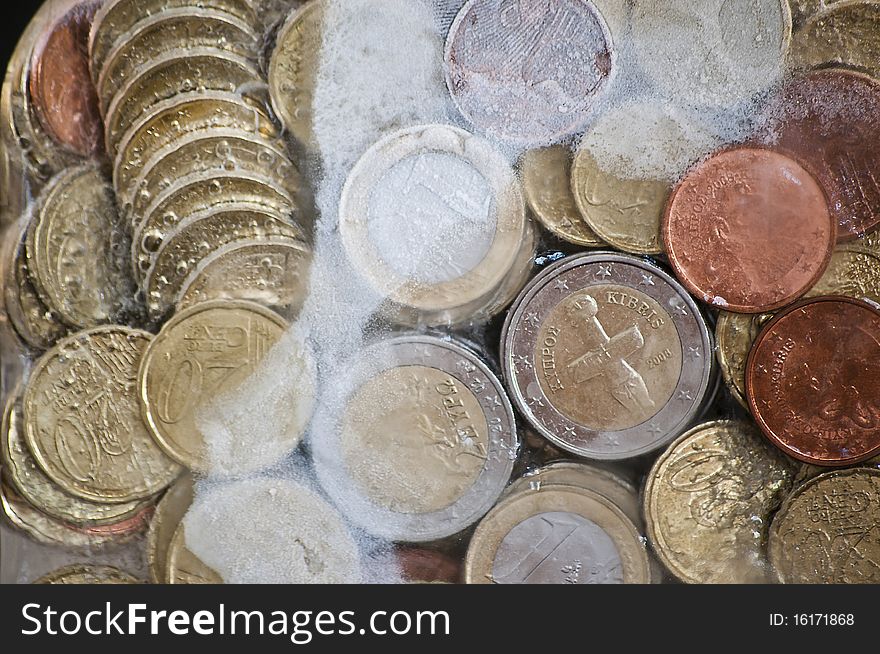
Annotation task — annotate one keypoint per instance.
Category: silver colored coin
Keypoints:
(432, 456)
(528, 71)
(607, 356)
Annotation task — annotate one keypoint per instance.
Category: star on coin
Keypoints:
(686, 396)
(647, 280)
(492, 402)
(679, 309)
(569, 431)
(536, 401)
(604, 270)
(467, 368)
(522, 363)
(694, 353)
(654, 429)
(561, 285)
(532, 319)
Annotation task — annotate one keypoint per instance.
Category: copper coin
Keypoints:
(60, 85)
(748, 230)
(423, 566)
(827, 119)
(813, 381)
(528, 71)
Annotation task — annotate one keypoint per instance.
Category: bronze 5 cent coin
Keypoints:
(748, 230)
(827, 119)
(61, 90)
(813, 381)
(607, 356)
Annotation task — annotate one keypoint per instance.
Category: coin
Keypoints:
(825, 532)
(208, 152)
(273, 272)
(309, 543)
(82, 418)
(417, 439)
(560, 535)
(87, 573)
(735, 333)
(116, 18)
(711, 53)
(627, 212)
(424, 566)
(546, 174)
(198, 192)
(850, 273)
(61, 90)
(528, 72)
(78, 249)
(184, 567)
(31, 483)
(607, 356)
(156, 35)
(867, 243)
(609, 485)
(708, 501)
(165, 522)
(812, 381)
(44, 529)
(293, 70)
(825, 119)
(185, 70)
(433, 218)
(748, 230)
(195, 239)
(33, 322)
(173, 119)
(844, 34)
(202, 354)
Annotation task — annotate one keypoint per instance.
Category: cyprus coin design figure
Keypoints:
(607, 356)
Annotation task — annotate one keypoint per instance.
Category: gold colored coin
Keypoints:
(561, 534)
(168, 516)
(184, 567)
(850, 273)
(85, 573)
(846, 34)
(546, 176)
(82, 418)
(625, 213)
(293, 70)
(77, 249)
(186, 70)
(116, 18)
(826, 531)
(273, 272)
(44, 529)
(803, 10)
(209, 152)
(708, 500)
(869, 244)
(23, 474)
(195, 239)
(735, 333)
(33, 322)
(153, 36)
(198, 193)
(170, 121)
(202, 354)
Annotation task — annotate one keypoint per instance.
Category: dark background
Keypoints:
(15, 17)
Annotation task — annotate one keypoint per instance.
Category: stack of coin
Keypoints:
(79, 466)
(567, 523)
(199, 168)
